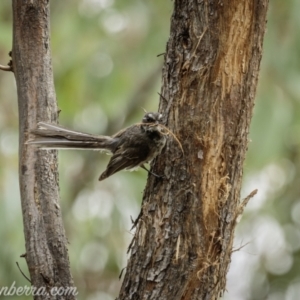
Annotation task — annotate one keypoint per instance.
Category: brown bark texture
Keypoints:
(46, 250)
(183, 241)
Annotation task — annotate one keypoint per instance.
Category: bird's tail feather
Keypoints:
(56, 137)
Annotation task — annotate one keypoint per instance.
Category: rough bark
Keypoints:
(46, 250)
(184, 235)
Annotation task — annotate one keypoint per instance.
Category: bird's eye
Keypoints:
(149, 118)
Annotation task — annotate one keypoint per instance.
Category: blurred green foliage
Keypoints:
(105, 68)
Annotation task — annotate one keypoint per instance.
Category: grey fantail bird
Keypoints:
(131, 147)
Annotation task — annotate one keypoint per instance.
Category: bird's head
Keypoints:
(151, 117)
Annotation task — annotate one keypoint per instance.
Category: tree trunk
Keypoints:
(184, 235)
(46, 250)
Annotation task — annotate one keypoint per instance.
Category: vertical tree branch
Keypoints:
(46, 250)
(183, 240)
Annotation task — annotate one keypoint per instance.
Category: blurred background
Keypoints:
(106, 68)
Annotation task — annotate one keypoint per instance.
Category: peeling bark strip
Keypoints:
(183, 240)
(46, 250)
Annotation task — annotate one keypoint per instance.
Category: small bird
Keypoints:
(131, 147)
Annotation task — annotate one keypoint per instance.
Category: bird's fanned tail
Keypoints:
(56, 137)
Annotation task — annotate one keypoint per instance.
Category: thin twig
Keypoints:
(174, 136)
(131, 244)
(6, 68)
(45, 278)
(136, 220)
(245, 201)
(22, 272)
(177, 248)
(164, 98)
(120, 276)
(239, 248)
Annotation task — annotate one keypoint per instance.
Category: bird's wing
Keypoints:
(125, 159)
(135, 128)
